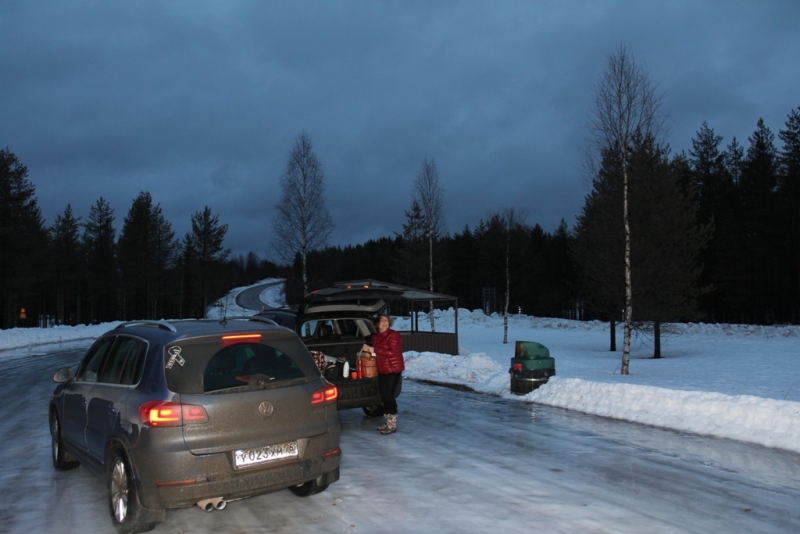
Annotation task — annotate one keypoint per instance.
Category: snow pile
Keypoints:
(732, 381)
(476, 371)
(28, 337)
(768, 422)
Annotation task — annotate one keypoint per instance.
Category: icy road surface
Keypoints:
(460, 462)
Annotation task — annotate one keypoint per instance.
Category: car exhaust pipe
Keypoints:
(208, 505)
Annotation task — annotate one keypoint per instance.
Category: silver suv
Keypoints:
(172, 414)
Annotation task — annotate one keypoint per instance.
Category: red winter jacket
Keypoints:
(389, 350)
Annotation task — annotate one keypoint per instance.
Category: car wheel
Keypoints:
(127, 513)
(62, 460)
(309, 488)
(373, 411)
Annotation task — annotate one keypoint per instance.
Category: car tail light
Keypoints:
(161, 413)
(326, 395)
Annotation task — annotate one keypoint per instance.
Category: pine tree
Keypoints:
(489, 245)
(164, 257)
(597, 250)
(204, 256)
(731, 279)
(667, 239)
(716, 204)
(557, 275)
(23, 240)
(758, 184)
(68, 266)
(464, 280)
(410, 266)
(146, 252)
(789, 193)
(99, 244)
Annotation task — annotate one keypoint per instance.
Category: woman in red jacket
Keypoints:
(387, 345)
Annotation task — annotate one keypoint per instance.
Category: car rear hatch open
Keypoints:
(373, 296)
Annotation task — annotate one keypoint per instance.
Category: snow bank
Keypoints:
(768, 422)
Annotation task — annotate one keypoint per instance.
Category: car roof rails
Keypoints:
(147, 322)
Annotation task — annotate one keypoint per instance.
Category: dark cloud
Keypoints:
(200, 102)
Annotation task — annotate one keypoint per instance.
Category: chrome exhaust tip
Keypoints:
(209, 505)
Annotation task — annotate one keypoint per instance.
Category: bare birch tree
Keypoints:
(428, 193)
(626, 104)
(303, 223)
(513, 222)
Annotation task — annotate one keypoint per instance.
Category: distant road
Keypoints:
(250, 298)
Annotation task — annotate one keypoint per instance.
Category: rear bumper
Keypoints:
(169, 476)
(239, 485)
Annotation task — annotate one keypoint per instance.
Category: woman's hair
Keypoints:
(378, 319)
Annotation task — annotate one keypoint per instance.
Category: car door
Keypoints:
(109, 393)
(76, 394)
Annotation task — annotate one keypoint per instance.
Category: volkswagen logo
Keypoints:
(265, 408)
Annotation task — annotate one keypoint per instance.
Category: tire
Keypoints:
(62, 460)
(376, 410)
(127, 512)
(309, 488)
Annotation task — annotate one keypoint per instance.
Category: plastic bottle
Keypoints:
(359, 372)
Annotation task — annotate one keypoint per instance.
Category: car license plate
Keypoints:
(261, 455)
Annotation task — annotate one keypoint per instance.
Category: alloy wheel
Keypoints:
(119, 490)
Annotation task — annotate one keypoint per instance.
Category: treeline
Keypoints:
(716, 237)
(81, 272)
(470, 265)
(752, 197)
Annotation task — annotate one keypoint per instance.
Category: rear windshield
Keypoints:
(212, 365)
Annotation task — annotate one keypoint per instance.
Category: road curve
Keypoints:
(250, 298)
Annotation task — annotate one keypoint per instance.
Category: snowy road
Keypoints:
(461, 462)
(250, 298)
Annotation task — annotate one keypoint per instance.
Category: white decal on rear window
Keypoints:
(175, 356)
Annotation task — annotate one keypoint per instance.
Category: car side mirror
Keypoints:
(62, 375)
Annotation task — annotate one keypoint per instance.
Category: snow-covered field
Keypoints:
(734, 381)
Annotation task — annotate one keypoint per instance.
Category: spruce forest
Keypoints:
(715, 237)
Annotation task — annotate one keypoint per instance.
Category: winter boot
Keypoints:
(391, 424)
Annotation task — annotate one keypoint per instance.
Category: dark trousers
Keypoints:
(388, 385)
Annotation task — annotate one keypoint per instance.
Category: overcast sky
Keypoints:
(199, 102)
